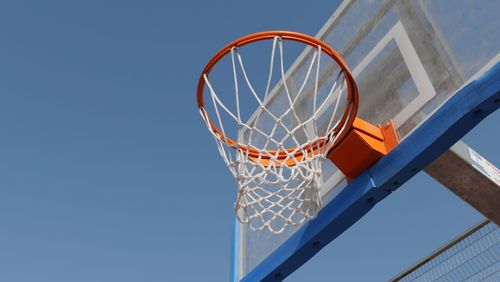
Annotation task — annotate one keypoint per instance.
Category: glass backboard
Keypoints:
(408, 58)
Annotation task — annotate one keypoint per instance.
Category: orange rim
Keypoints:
(345, 123)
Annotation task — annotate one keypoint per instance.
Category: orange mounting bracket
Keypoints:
(363, 146)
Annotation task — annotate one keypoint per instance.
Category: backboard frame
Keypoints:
(401, 40)
(460, 114)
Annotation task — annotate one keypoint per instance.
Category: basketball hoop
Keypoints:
(274, 155)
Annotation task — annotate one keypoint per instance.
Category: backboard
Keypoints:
(409, 59)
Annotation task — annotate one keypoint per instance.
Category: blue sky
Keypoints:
(107, 172)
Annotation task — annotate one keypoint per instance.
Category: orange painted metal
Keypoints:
(359, 144)
(391, 139)
(364, 145)
(263, 156)
(368, 128)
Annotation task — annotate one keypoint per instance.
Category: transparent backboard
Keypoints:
(408, 57)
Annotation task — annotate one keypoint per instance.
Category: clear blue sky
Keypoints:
(108, 174)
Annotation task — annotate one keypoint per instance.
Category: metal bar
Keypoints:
(471, 177)
(440, 251)
(235, 252)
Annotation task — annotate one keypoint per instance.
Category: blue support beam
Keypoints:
(235, 251)
(462, 112)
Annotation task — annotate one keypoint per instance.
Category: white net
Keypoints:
(276, 158)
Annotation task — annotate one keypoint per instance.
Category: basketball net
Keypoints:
(278, 185)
